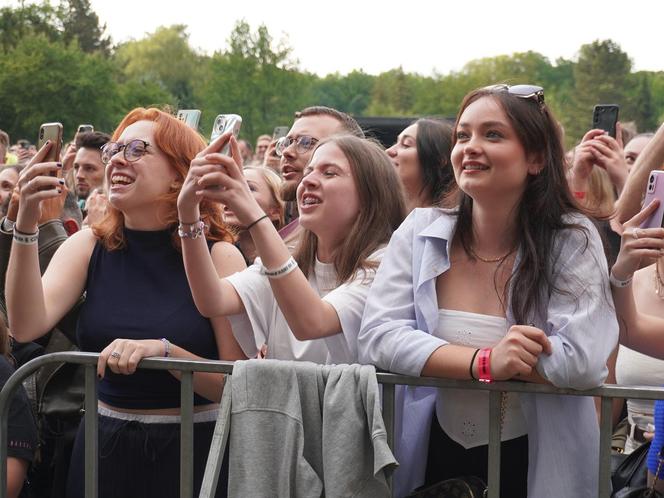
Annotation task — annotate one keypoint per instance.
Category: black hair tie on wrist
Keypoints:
(253, 223)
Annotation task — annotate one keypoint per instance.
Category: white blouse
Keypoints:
(464, 414)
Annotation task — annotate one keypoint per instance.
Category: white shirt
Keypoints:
(464, 414)
(264, 323)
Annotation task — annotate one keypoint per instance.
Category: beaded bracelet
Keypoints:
(167, 347)
(25, 239)
(485, 365)
(196, 230)
(282, 271)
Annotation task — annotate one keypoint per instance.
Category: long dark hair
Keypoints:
(434, 146)
(545, 202)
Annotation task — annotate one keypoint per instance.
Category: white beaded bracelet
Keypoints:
(619, 283)
(195, 230)
(282, 271)
(26, 239)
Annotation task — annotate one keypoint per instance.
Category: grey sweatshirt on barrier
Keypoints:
(300, 429)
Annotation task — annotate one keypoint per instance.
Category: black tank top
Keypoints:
(141, 292)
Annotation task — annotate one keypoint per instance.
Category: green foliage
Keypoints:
(165, 60)
(79, 22)
(256, 79)
(57, 64)
(43, 80)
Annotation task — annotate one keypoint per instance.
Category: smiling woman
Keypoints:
(137, 303)
(510, 285)
(308, 306)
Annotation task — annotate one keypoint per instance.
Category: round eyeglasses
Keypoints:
(302, 144)
(133, 150)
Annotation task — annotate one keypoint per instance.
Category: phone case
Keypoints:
(655, 190)
(224, 123)
(605, 117)
(52, 132)
(190, 116)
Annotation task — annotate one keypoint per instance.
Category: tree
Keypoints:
(643, 107)
(393, 94)
(254, 78)
(43, 81)
(165, 59)
(79, 22)
(601, 76)
(15, 23)
(350, 93)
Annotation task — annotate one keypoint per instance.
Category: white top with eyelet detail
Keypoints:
(464, 414)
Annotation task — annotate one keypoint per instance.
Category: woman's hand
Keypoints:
(123, 355)
(608, 154)
(220, 179)
(637, 244)
(517, 353)
(37, 182)
(96, 206)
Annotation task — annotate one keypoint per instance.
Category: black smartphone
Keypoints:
(52, 132)
(605, 117)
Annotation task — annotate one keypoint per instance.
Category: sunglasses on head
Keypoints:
(521, 91)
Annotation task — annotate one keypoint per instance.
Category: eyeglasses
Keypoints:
(302, 144)
(133, 150)
(522, 91)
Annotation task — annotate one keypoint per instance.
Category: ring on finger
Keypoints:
(635, 233)
(116, 355)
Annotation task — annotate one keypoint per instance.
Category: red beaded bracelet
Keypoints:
(484, 367)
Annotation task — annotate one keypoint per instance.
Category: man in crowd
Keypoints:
(8, 180)
(262, 143)
(88, 168)
(5, 156)
(311, 125)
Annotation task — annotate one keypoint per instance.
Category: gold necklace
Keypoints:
(490, 260)
(659, 284)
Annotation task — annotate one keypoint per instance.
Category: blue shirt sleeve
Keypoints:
(658, 442)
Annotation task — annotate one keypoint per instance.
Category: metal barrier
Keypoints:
(389, 381)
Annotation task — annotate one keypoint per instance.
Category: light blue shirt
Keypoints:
(401, 316)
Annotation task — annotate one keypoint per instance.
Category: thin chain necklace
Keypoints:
(491, 260)
(659, 284)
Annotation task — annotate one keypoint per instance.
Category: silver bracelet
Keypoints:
(7, 225)
(619, 283)
(195, 230)
(25, 239)
(282, 271)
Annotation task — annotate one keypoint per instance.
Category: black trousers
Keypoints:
(448, 459)
(142, 460)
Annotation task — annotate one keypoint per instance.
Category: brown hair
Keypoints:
(347, 122)
(180, 144)
(542, 209)
(382, 209)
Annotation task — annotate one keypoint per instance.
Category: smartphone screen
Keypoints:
(52, 132)
(605, 117)
(224, 123)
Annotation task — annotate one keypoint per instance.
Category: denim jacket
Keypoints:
(401, 315)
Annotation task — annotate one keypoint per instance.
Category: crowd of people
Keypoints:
(478, 249)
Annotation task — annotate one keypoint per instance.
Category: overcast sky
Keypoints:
(421, 36)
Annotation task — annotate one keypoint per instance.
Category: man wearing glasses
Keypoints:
(311, 125)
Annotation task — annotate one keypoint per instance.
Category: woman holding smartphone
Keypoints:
(307, 306)
(137, 303)
(510, 285)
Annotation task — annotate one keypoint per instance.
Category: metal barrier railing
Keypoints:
(389, 381)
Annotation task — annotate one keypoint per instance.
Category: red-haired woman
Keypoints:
(137, 305)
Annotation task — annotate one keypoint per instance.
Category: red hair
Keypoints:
(180, 144)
